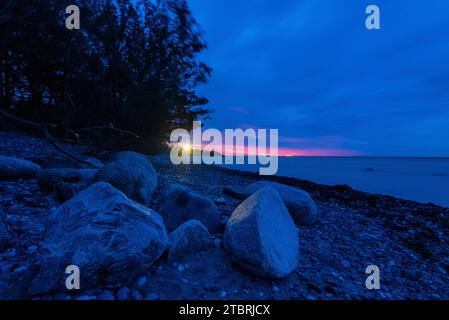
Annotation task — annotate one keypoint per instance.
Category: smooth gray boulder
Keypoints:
(190, 238)
(299, 203)
(109, 237)
(15, 169)
(132, 173)
(261, 236)
(179, 204)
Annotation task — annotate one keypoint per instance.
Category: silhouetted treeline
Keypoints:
(133, 63)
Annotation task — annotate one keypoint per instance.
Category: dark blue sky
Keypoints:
(311, 69)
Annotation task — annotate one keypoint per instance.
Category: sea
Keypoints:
(424, 180)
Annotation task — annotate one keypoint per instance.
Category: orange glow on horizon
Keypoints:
(282, 152)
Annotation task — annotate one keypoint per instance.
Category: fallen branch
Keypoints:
(44, 129)
(28, 123)
(110, 126)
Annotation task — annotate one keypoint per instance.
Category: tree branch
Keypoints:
(109, 127)
(44, 129)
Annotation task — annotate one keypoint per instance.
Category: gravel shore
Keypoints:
(408, 241)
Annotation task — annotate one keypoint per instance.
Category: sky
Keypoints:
(311, 69)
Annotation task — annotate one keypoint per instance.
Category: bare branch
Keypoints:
(110, 126)
(44, 129)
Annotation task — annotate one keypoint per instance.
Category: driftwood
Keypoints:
(43, 128)
(109, 126)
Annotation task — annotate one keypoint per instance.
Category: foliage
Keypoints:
(133, 64)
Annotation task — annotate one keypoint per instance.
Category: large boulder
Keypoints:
(109, 237)
(299, 203)
(261, 236)
(190, 238)
(132, 173)
(179, 204)
(14, 169)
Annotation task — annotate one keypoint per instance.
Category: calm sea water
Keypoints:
(421, 179)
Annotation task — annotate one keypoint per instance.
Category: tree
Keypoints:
(133, 64)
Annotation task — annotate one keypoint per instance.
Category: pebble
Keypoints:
(20, 269)
(224, 219)
(159, 270)
(10, 253)
(32, 249)
(136, 295)
(106, 295)
(276, 289)
(152, 296)
(220, 201)
(218, 243)
(61, 297)
(26, 193)
(346, 264)
(86, 298)
(181, 268)
(141, 281)
(123, 293)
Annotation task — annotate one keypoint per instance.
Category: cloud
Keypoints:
(311, 69)
(238, 109)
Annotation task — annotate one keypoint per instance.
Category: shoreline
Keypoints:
(314, 187)
(406, 239)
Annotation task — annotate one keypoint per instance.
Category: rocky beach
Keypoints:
(140, 228)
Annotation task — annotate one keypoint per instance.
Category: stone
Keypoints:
(86, 298)
(218, 243)
(141, 281)
(220, 201)
(190, 238)
(123, 293)
(15, 169)
(106, 295)
(108, 236)
(299, 203)
(179, 204)
(132, 173)
(261, 236)
(346, 264)
(95, 162)
(136, 295)
(32, 249)
(152, 296)
(61, 297)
